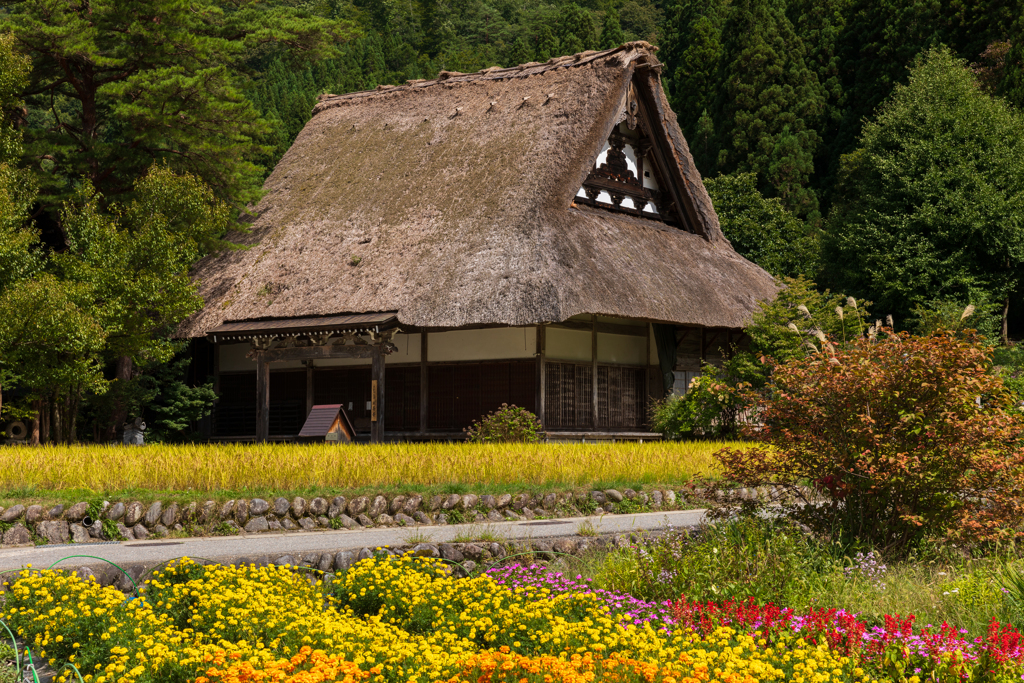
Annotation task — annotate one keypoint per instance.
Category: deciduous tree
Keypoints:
(931, 204)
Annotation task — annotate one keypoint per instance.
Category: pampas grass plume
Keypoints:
(803, 309)
(839, 312)
(793, 327)
(851, 302)
(967, 311)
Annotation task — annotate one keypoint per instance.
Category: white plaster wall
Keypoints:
(564, 344)
(490, 344)
(408, 349)
(621, 349)
(232, 358)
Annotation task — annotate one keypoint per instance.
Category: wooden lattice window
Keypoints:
(569, 398)
(463, 392)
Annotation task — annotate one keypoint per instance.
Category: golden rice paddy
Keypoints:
(286, 467)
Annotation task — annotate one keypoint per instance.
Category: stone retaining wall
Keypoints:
(464, 558)
(134, 520)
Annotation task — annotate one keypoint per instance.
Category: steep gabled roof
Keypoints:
(451, 201)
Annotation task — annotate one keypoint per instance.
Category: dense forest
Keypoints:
(875, 147)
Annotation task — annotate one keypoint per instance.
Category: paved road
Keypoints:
(227, 548)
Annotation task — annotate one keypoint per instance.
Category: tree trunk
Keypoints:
(33, 433)
(1006, 317)
(122, 374)
(54, 418)
(44, 422)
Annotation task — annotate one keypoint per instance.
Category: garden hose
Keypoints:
(17, 655)
(31, 666)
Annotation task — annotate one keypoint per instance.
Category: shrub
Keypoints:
(707, 409)
(904, 436)
(508, 423)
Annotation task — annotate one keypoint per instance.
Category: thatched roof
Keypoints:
(450, 201)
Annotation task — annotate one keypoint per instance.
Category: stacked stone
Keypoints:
(462, 558)
(135, 520)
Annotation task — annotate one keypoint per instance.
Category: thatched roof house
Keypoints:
(475, 201)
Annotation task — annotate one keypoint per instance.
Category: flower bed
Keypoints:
(406, 619)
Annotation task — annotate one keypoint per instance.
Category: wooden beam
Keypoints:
(424, 378)
(593, 366)
(309, 387)
(541, 361)
(377, 397)
(317, 352)
(603, 328)
(262, 396)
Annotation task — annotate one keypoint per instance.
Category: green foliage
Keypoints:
(177, 406)
(49, 337)
(811, 311)
(103, 108)
(766, 560)
(931, 205)
(761, 229)
(707, 409)
(693, 54)
(769, 104)
(507, 424)
(135, 258)
(978, 313)
(611, 31)
(1009, 364)
(19, 259)
(903, 437)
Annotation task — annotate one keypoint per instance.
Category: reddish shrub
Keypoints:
(901, 436)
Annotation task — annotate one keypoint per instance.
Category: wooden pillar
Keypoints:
(309, 386)
(423, 382)
(541, 360)
(262, 397)
(593, 365)
(377, 396)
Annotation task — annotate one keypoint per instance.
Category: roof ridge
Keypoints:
(630, 51)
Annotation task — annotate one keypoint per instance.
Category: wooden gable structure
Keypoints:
(536, 235)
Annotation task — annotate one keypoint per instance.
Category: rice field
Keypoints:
(289, 467)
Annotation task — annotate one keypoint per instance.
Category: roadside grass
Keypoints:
(775, 562)
(183, 473)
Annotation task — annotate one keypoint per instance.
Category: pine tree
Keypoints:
(173, 93)
(820, 23)
(547, 45)
(693, 53)
(575, 29)
(702, 144)
(520, 53)
(611, 31)
(769, 104)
